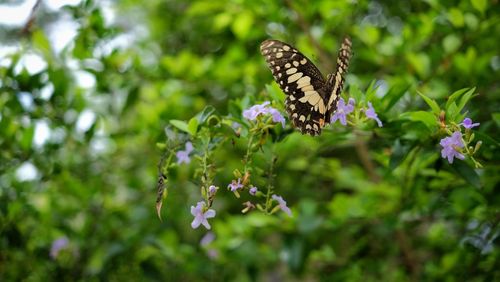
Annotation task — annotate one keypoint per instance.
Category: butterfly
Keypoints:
(311, 100)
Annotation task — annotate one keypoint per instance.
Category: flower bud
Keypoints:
(246, 178)
(260, 208)
(237, 173)
(478, 145)
(248, 207)
(442, 119)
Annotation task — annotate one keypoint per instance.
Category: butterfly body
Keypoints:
(311, 100)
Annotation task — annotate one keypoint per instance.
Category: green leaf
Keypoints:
(466, 172)
(465, 98)
(480, 5)
(487, 140)
(198, 8)
(394, 94)
(275, 92)
(434, 106)
(471, 21)
(420, 62)
(456, 17)
(369, 34)
(205, 114)
(496, 118)
(133, 95)
(451, 43)
(27, 138)
(91, 131)
(452, 112)
(222, 20)
(234, 107)
(225, 129)
(355, 93)
(426, 118)
(161, 145)
(193, 126)
(182, 125)
(41, 42)
(399, 153)
(242, 25)
(455, 96)
(371, 90)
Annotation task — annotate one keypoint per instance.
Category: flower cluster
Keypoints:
(344, 109)
(253, 112)
(456, 145)
(202, 211)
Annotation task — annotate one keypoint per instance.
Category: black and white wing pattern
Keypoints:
(311, 100)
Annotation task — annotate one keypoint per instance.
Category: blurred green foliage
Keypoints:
(373, 204)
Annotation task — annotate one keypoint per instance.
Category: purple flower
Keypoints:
(211, 190)
(253, 112)
(370, 113)
(342, 110)
(58, 245)
(183, 155)
(282, 205)
(450, 145)
(213, 254)
(277, 117)
(253, 190)
(467, 123)
(235, 185)
(207, 239)
(201, 216)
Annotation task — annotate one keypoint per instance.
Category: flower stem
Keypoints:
(270, 185)
(247, 159)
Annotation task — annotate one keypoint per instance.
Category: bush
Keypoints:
(171, 101)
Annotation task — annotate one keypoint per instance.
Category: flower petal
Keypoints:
(210, 213)
(189, 147)
(196, 222)
(206, 224)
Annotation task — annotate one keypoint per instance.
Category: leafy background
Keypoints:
(79, 160)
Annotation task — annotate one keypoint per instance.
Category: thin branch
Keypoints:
(31, 20)
(364, 156)
(409, 259)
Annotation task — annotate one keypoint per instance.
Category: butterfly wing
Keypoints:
(300, 79)
(335, 82)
